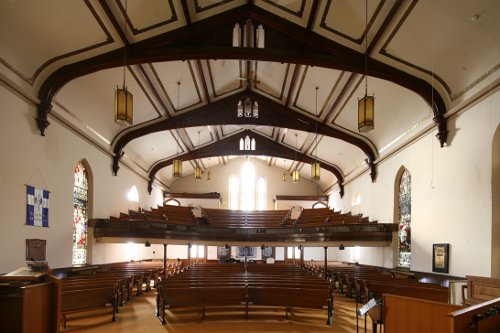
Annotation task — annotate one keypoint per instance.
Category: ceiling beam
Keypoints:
(230, 146)
(211, 39)
(223, 112)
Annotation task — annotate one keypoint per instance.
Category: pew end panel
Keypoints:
(412, 315)
(476, 318)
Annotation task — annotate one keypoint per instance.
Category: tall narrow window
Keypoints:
(404, 235)
(234, 187)
(133, 194)
(247, 177)
(80, 215)
(197, 251)
(261, 194)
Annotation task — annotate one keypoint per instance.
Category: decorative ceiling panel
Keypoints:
(396, 110)
(30, 44)
(266, 131)
(296, 11)
(147, 18)
(178, 84)
(201, 9)
(151, 148)
(205, 136)
(475, 50)
(146, 15)
(272, 78)
(340, 153)
(225, 76)
(91, 100)
(230, 129)
(312, 77)
(345, 21)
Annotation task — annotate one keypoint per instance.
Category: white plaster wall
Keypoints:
(48, 162)
(220, 178)
(451, 194)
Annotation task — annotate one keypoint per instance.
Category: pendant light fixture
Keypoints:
(295, 172)
(315, 167)
(124, 105)
(177, 163)
(283, 174)
(366, 105)
(197, 170)
(209, 174)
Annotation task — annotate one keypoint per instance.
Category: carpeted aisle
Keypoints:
(137, 316)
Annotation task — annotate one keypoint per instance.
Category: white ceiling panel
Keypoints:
(178, 84)
(396, 110)
(34, 33)
(91, 99)
(340, 153)
(151, 148)
(225, 76)
(459, 61)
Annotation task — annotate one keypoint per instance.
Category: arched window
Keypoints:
(80, 214)
(172, 202)
(246, 192)
(247, 179)
(197, 251)
(133, 194)
(319, 204)
(261, 194)
(404, 214)
(234, 187)
(356, 200)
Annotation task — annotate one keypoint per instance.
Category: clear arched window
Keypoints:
(404, 213)
(133, 194)
(80, 215)
(356, 200)
(247, 179)
(197, 251)
(261, 194)
(234, 187)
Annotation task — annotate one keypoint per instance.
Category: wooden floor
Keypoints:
(138, 316)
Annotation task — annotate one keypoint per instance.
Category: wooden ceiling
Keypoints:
(187, 78)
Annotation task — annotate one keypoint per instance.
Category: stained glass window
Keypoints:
(404, 234)
(80, 215)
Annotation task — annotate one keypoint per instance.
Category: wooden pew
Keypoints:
(480, 289)
(87, 299)
(477, 318)
(279, 285)
(198, 297)
(411, 315)
(304, 297)
(81, 298)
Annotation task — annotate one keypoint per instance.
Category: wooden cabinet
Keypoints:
(27, 303)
